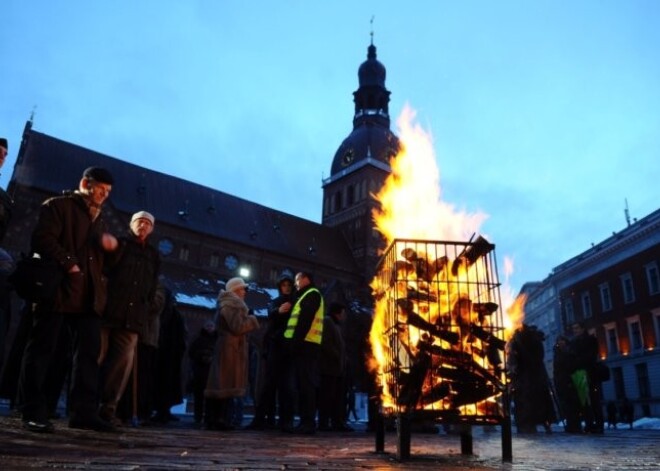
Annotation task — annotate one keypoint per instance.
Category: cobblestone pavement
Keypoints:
(182, 446)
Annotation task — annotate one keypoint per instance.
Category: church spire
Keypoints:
(371, 98)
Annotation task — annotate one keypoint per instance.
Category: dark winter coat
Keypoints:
(66, 233)
(332, 361)
(228, 376)
(277, 321)
(171, 348)
(531, 393)
(132, 282)
(201, 352)
(6, 206)
(584, 348)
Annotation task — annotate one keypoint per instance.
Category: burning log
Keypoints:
(420, 295)
(402, 267)
(489, 338)
(461, 311)
(436, 267)
(411, 383)
(424, 269)
(436, 393)
(471, 254)
(414, 319)
(463, 362)
(467, 393)
(484, 309)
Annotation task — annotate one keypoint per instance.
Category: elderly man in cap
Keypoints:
(133, 279)
(71, 232)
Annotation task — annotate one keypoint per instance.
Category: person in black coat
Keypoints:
(584, 348)
(171, 348)
(332, 363)
(133, 279)
(567, 398)
(270, 396)
(71, 232)
(201, 354)
(531, 386)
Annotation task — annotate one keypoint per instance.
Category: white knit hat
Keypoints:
(144, 215)
(235, 283)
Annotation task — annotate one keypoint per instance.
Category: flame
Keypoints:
(515, 315)
(411, 208)
(412, 193)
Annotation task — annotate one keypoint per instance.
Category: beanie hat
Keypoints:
(3, 143)
(235, 283)
(99, 174)
(144, 215)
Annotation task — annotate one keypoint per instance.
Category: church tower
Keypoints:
(360, 167)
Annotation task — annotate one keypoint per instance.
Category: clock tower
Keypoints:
(359, 169)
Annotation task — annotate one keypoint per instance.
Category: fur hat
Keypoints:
(3, 143)
(235, 283)
(144, 215)
(99, 174)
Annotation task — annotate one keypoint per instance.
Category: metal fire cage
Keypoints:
(441, 330)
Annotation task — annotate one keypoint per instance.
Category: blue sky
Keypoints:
(545, 115)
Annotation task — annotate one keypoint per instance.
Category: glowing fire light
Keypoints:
(411, 208)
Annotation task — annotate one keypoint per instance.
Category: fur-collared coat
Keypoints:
(228, 376)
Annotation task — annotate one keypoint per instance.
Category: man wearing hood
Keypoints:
(133, 280)
(269, 395)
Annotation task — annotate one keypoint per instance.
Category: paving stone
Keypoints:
(181, 446)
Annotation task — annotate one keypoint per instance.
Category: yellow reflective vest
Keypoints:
(315, 332)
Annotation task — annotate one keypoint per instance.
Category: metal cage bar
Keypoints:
(442, 332)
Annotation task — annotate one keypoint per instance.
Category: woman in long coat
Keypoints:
(228, 376)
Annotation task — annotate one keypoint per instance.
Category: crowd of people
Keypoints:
(113, 332)
(574, 394)
(301, 362)
(578, 377)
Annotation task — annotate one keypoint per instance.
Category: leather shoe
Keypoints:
(95, 423)
(39, 426)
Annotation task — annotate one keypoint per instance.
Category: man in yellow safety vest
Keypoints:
(302, 337)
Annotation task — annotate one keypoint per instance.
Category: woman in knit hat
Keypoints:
(228, 376)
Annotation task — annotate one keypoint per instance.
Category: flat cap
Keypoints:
(99, 174)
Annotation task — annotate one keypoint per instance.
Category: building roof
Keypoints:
(52, 165)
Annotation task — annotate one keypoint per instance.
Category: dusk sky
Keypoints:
(545, 115)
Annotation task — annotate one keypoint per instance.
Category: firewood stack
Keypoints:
(440, 327)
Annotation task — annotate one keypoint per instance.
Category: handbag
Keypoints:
(36, 279)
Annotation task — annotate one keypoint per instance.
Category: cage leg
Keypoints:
(466, 440)
(402, 437)
(380, 433)
(507, 447)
